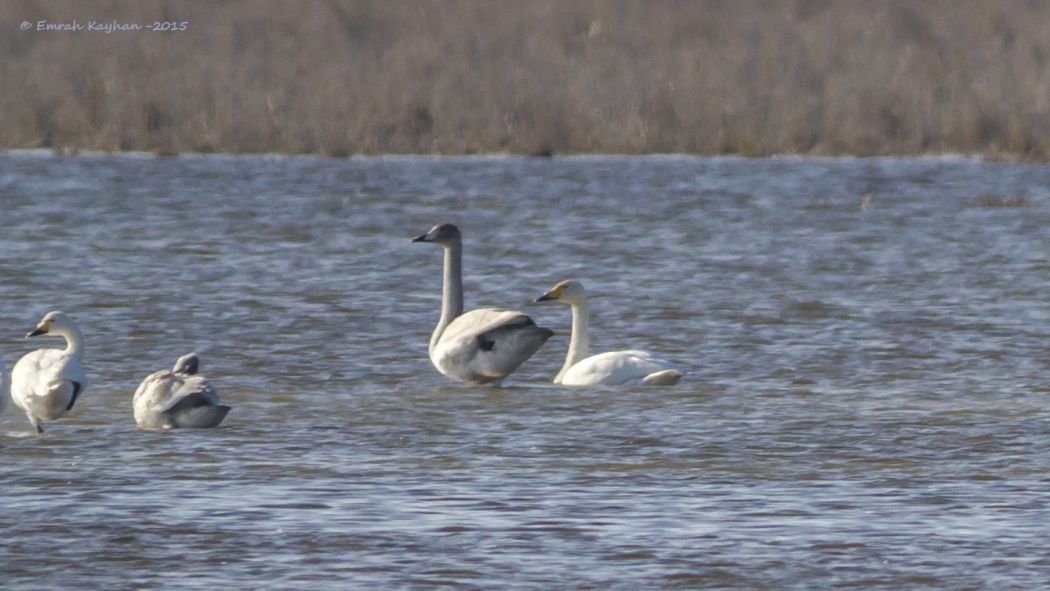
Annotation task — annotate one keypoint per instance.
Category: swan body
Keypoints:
(620, 367)
(482, 346)
(607, 369)
(178, 398)
(46, 383)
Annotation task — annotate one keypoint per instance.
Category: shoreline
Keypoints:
(140, 154)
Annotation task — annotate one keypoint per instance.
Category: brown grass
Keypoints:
(539, 76)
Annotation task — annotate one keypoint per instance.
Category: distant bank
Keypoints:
(543, 77)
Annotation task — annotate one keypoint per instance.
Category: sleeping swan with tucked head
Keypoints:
(47, 382)
(482, 346)
(178, 398)
(608, 369)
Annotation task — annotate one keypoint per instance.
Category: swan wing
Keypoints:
(487, 344)
(482, 320)
(621, 367)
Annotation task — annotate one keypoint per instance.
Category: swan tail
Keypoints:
(531, 340)
(197, 410)
(663, 378)
(201, 417)
(510, 349)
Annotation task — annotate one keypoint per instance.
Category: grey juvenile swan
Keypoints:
(178, 398)
(482, 346)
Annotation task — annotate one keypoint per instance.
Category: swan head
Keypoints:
(188, 364)
(442, 234)
(53, 322)
(568, 291)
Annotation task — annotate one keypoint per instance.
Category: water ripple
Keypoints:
(865, 342)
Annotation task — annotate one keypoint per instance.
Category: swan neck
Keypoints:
(74, 341)
(580, 339)
(451, 290)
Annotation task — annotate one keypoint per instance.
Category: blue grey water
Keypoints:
(866, 404)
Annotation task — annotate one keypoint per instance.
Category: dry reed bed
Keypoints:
(468, 76)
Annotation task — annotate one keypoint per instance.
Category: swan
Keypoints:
(482, 346)
(178, 398)
(47, 382)
(610, 369)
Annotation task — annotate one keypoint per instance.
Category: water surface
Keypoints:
(865, 405)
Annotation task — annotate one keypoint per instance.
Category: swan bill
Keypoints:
(555, 292)
(441, 234)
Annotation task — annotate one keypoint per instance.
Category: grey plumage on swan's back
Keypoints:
(196, 411)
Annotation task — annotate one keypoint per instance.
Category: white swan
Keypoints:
(613, 368)
(178, 398)
(46, 383)
(482, 346)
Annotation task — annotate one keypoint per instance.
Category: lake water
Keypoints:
(866, 404)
